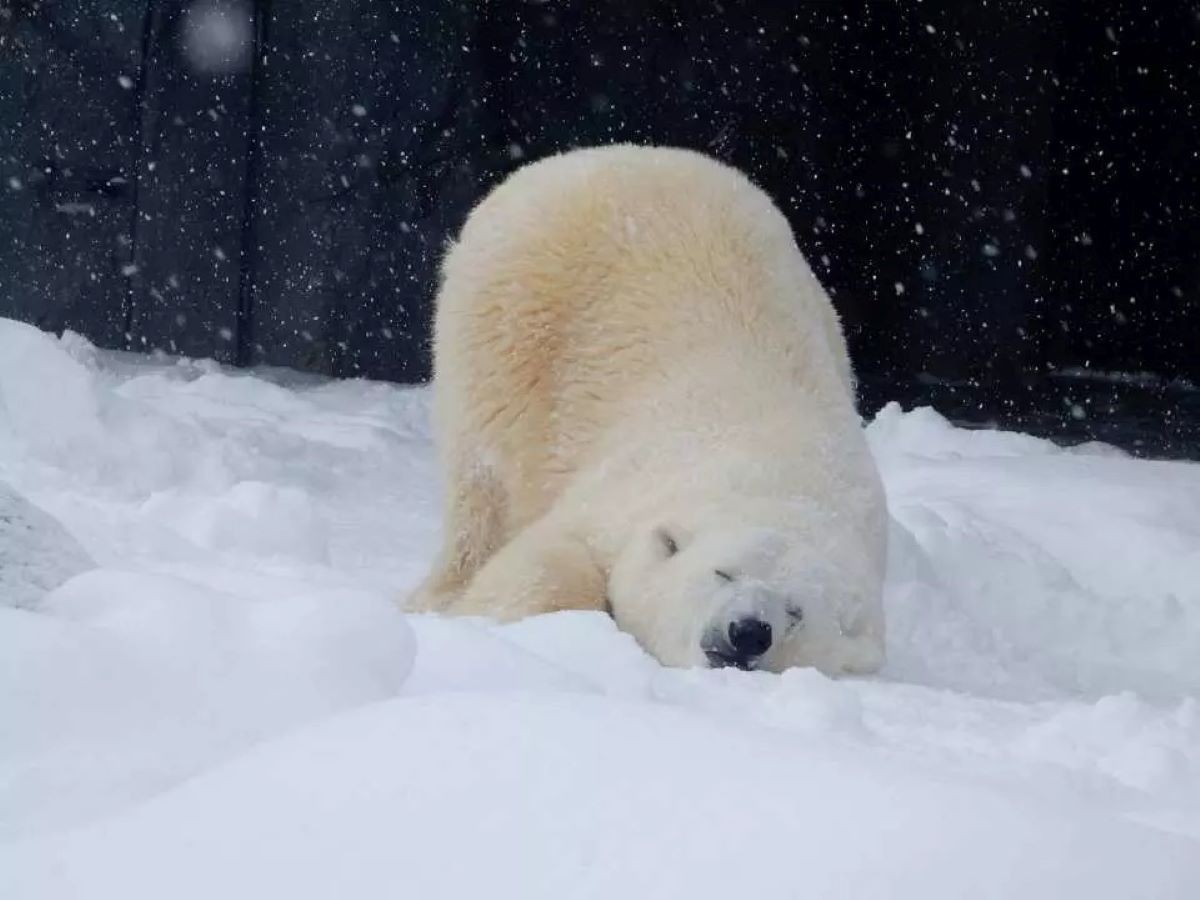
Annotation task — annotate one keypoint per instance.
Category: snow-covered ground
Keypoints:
(230, 704)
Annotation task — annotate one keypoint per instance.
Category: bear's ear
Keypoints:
(667, 544)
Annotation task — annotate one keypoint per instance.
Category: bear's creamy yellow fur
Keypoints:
(628, 344)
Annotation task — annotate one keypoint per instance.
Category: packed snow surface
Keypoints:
(229, 703)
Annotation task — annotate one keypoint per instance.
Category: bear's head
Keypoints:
(716, 592)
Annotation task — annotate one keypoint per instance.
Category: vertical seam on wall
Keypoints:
(244, 317)
(141, 111)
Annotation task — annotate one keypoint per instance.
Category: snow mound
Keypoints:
(123, 684)
(252, 517)
(36, 553)
(569, 796)
(1020, 567)
(46, 397)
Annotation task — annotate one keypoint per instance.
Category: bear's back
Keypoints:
(587, 281)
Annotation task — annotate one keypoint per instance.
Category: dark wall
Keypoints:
(286, 205)
(1003, 198)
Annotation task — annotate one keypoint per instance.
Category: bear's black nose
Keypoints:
(749, 639)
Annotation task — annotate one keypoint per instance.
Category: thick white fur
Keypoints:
(629, 346)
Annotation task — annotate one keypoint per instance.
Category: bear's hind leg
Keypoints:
(472, 532)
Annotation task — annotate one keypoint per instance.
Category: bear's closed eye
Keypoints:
(670, 547)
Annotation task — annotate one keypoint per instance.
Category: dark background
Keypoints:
(1003, 198)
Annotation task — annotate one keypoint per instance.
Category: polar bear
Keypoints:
(643, 404)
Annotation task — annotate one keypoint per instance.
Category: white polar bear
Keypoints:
(643, 404)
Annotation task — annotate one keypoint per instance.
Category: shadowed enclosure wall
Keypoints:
(1002, 199)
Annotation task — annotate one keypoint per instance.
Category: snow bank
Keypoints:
(123, 684)
(182, 462)
(479, 795)
(1017, 565)
(46, 398)
(36, 553)
(232, 704)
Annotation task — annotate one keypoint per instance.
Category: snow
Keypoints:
(438, 796)
(230, 703)
(36, 553)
